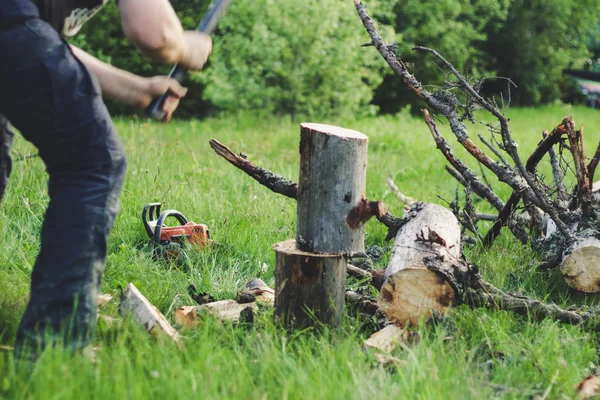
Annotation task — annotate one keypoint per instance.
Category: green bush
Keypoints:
(291, 57)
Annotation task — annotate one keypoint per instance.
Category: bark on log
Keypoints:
(333, 166)
(411, 291)
(308, 287)
(581, 268)
(145, 314)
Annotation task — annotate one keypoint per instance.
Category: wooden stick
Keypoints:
(265, 177)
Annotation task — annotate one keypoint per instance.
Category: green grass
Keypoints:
(472, 354)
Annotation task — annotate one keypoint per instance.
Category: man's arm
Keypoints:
(123, 86)
(153, 26)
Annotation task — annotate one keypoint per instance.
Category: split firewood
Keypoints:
(411, 291)
(589, 387)
(387, 339)
(257, 290)
(108, 320)
(145, 314)
(104, 299)
(387, 361)
(224, 310)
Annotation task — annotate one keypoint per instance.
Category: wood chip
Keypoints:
(387, 360)
(225, 310)
(104, 299)
(589, 387)
(386, 339)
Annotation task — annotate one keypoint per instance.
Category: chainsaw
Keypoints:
(170, 241)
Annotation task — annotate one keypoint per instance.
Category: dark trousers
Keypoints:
(54, 102)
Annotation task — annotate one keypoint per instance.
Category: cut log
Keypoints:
(144, 313)
(332, 208)
(411, 291)
(581, 267)
(309, 288)
(224, 310)
(386, 339)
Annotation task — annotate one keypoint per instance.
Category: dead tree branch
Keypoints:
(276, 183)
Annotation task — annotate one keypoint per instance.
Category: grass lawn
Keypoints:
(472, 354)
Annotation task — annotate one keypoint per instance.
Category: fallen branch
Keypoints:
(265, 177)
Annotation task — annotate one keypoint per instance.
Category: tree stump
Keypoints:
(310, 288)
(333, 174)
(411, 291)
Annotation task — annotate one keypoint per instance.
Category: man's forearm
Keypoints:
(153, 26)
(115, 83)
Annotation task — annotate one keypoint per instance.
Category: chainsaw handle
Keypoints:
(150, 213)
(159, 223)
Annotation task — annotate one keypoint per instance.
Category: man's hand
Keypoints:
(198, 47)
(159, 85)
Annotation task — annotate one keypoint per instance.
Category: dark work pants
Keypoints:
(54, 102)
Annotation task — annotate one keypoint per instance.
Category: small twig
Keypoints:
(265, 177)
(493, 149)
(408, 201)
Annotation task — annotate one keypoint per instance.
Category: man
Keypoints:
(52, 94)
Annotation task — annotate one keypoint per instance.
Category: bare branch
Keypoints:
(556, 172)
(593, 164)
(493, 149)
(469, 176)
(408, 201)
(276, 183)
(532, 162)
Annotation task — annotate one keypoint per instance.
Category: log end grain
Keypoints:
(413, 294)
(581, 268)
(334, 130)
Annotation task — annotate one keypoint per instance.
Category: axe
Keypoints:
(207, 25)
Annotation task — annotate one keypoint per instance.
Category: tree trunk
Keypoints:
(411, 291)
(333, 165)
(581, 266)
(308, 287)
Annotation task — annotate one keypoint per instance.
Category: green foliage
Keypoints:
(540, 39)
(291, 57)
